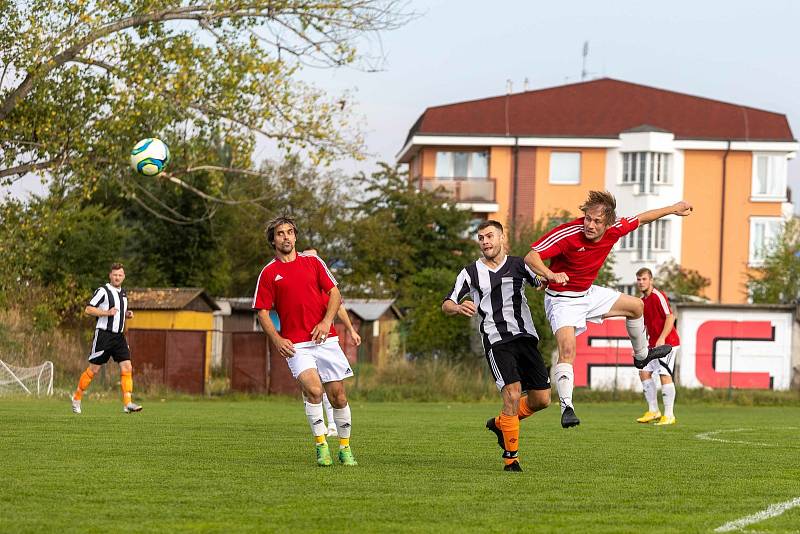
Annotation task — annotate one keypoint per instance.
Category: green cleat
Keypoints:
(324, 455)
(346, 456)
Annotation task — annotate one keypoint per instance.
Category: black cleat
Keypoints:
(656, 353)
(568, 418)
(491, 425)
(513, 466)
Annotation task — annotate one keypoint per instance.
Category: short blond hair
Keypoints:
(604, 199)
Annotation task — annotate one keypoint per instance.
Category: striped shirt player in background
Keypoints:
(577, 251)
(110, 305)
(303, 292)
(496, 283)
(343, 316)
(660, 324)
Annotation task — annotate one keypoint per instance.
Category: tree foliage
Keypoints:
(677, 280)
(777, 281)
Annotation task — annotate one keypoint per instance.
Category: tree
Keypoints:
(83, 80)
(777, 281)
(677, 280)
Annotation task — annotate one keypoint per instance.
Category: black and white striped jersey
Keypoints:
(499, 296)
(105, 298)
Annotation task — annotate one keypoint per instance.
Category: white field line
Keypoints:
(773, 510)
(711, 436)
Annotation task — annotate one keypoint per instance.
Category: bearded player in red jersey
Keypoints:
(577, 251)
(303, 292)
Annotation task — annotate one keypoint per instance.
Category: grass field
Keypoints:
(223, 466)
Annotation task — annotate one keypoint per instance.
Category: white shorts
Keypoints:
(327, 358)
(575, 311)
(665, 365)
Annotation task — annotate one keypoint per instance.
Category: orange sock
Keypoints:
(524, 411)
(126, 382)
(83, 383)
(509, 424)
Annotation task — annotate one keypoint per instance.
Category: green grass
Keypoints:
(233, 466)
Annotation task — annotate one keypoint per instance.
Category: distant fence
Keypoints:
(722, 346)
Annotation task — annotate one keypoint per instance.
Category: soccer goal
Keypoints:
(31, 380)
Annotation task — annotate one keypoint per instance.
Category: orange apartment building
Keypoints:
(524, 156)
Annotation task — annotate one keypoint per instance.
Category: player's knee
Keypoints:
(314, 394)
(338, 398)
(637, 307)
(542, 403)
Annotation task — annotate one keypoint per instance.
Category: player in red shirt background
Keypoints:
(576, 251)
(303, 292)
(660, 324)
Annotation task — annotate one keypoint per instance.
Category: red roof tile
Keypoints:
(603, 108)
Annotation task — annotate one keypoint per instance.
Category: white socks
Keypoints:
(315, 420)
(328, 410)
(668, 394)
(565, 379)
(649, 387)
(638, 336)
(343, 421)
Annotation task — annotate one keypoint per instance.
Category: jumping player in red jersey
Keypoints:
(303, 292)
(577, 251)
(660, 324)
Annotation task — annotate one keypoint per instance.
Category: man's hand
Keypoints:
(285, 346)
(682, 208)
(557, 278)
(129, 314)
(467, 308)
(355, 336)
(660, 341)
(320, 332)
(110, 312)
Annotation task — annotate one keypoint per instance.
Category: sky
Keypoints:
(743, 52)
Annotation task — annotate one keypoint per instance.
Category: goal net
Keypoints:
(31, 380)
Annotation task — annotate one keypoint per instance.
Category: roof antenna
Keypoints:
(585, 55)
(525, 84)
(509, 86)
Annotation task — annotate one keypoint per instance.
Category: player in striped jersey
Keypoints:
(660, 324)
(577, 251)
(110, 305)
(495, 283)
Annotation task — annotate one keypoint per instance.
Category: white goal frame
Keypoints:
(48, 386)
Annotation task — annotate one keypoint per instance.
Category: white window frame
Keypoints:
(646, 169)
(555, 180)
(756, 254)
(450, 156)
(647, 240)
(777, 174)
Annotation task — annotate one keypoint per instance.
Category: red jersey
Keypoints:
(571, 252)
(298, 290)
(656, 309)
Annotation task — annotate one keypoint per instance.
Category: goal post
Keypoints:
(36, 380)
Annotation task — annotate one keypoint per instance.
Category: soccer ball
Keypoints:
(149, 156)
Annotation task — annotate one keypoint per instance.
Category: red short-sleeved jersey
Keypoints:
(571, 252)
(298, 290)
(656, 309)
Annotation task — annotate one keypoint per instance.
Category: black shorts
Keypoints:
(518, 360)
(109, 345)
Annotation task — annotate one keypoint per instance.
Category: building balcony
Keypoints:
(474, 194)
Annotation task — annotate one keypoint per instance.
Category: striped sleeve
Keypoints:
(460, 288)
(663, 300)
(263, 298)
(531, 277)
(98, 297)
(552, 243)
(625, 225)
(325, 277)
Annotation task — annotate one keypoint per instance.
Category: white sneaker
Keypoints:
(131, 407)
(332, 431)
(76, 405)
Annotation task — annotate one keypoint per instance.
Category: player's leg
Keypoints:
(122, 355)
(535, 380)
(311, 385)
(632, 309)
(333, 369)
(564, 375)
(502, 364)
(97, 357)
(649, 387)
(668, 388)
(329, 415)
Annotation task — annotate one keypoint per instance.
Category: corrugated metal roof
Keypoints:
(370, 309)
(170, 298)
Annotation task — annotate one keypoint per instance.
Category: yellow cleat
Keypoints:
(664, 420)
(649, 417)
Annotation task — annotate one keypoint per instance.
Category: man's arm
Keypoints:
(669, 322)
(535, 263)
(320, 332)
(97, 312)
(681, 208)
(466, 308)
(345, 317)
(285, 346)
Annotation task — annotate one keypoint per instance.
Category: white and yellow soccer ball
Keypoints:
(149, 156)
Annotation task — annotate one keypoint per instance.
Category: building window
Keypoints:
(764, 233)
(769, 177)
(628, 289)
(645, 169)
(565, 167)
(647, 239)
(473, 165)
